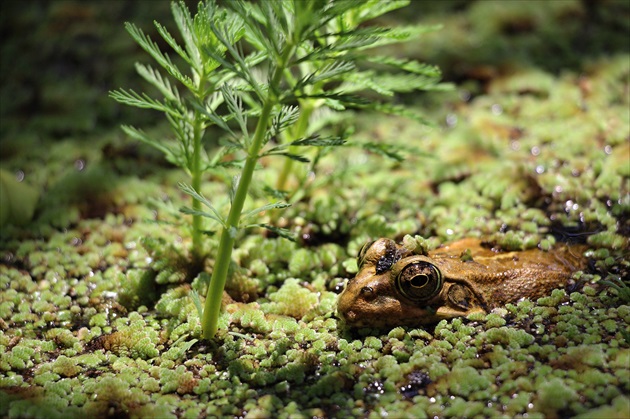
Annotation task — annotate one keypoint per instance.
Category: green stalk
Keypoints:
(196, 185)
(196, 170)
(212, 306)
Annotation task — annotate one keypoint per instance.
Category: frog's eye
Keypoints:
(419, 281)
(362, 252)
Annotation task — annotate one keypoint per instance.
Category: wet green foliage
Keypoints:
(308, 54)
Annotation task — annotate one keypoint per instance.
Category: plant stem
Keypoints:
(212, 307)
(196, 185)
(195, 171)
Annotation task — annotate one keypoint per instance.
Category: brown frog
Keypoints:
(395, 286)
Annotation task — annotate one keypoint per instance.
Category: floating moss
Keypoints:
(292, 300)
(464, 381)
(554, 395)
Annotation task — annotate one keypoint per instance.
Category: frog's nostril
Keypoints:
(368, 293)
(350, 316)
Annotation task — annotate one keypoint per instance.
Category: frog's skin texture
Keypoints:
(396, 287)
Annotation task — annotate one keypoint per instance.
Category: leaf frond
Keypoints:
(267, 207)
(161, 83)
(331, 71)
(215, 215)
(386, 150)
(281, 232)
(317, 141)
(162, 59)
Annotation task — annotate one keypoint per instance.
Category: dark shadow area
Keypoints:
(59, 59)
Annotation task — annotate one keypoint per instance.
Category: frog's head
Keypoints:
(395, 287)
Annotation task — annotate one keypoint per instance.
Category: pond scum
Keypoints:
(530, 149)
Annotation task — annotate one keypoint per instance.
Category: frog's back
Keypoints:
(502, 277)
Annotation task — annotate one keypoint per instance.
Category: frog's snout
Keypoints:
(344, 306)
(349, 316)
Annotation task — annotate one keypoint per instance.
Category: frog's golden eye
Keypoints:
(419, 281)
(362, 252)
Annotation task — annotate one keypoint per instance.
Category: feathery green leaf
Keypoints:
(267, 207)
(215, 214)
(281, 232)
(162, 59)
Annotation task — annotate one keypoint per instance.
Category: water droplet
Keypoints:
(19, 175)
(496, 109)
(535, 150)
(449, 231)
(540, 169)
(79, 164)
(451, 120)
(608, 149)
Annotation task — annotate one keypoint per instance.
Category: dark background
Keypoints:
(59, 58)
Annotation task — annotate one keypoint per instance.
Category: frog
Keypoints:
(396, 286)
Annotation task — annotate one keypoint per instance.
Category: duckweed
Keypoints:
(109, 329)
(292, 300)
(555, 395)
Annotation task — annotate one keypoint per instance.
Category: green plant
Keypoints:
(303, 55)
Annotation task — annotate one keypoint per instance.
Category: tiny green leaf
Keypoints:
(386, 150)
(155, 78)
(330, 71)
(291, 156)
(235, 106)
(152, 48)
(282, 232)
(275, 193)
(190, 191)
(267, 207)
(194, 296)
(139, 135)
(317, 141)
(190, 211)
